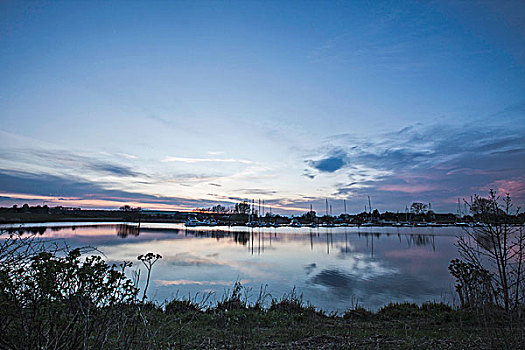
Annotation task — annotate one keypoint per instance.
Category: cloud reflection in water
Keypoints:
(331, 268)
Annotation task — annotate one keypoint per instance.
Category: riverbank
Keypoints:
(288, 325)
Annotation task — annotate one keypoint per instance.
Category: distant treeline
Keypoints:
(240, 215)
(43, 213)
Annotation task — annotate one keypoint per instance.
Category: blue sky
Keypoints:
(177, 105)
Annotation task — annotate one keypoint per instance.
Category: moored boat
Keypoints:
(192, 222)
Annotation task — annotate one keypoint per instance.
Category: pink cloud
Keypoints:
(408, 188)
(514, 187)
(200, 283)
(93, 202)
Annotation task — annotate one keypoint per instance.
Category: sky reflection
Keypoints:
(332, 268)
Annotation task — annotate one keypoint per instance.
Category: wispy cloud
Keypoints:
(70, 190)
(257, 191)
(63, 160)
(199, 283)
(128, 156)
(207, 160)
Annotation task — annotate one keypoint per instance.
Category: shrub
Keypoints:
(359, 313)
(233, 301)
(492, 265)
(176, 307)
(399, 310)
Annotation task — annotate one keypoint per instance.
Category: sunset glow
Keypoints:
(177, 106)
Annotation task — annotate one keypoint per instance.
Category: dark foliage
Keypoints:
(491, 271)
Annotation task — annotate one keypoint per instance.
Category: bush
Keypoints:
(52, 298)
(436, 307)
(176, 307)
(358, 313)
(233, 301)
(61, 299)
(291, 303)
(399, 310)
(492, 266)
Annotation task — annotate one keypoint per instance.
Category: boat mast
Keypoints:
(250, 211)
(370, 208)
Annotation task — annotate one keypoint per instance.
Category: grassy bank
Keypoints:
(287, 325)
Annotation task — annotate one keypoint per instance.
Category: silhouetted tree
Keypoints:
(218, 209)
(418, 208)
(494, 251)
(242, 208)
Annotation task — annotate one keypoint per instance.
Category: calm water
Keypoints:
(332, 268)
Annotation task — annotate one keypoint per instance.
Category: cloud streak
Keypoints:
(65, 160)
(59, 190)
(199, 283)
(206, 160)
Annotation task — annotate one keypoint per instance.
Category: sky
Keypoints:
(177, 105)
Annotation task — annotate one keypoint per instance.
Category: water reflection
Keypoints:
(331, 267)
(422, 240)
(124, 231)
(27, 231)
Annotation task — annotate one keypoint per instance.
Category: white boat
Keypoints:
(296, 223)
(192, 222)
(210, 222)
(463, 224)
